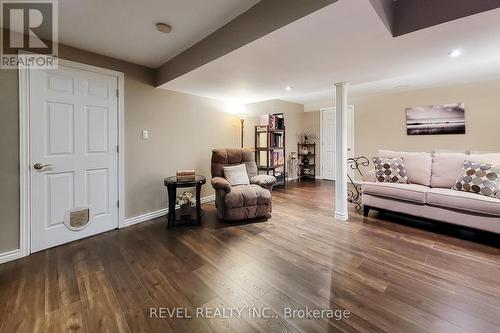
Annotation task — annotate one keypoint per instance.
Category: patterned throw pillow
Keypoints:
(390, 170)
(480, 178)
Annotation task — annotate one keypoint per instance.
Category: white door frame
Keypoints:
(321, 112)
(24, 150)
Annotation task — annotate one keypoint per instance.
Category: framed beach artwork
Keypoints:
(436, 119)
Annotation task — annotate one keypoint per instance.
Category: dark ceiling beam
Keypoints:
(260, 20)
(413, 15)
(406, 16)
(385, 9)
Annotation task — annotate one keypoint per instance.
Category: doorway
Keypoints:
(73, 176)
(327, 137)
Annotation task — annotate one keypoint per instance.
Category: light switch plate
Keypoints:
(145, 135)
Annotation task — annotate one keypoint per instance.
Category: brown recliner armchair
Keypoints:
(243, 201)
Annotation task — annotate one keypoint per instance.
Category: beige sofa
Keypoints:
(430, 195)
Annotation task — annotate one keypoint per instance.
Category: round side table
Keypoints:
(172, 184)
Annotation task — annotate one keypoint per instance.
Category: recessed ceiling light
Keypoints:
(455, 53)
(288, 88)
(163, 27)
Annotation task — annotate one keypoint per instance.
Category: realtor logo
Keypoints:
(29, 34)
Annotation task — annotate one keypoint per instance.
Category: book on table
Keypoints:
(186, 175)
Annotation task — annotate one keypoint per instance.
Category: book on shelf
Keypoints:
(275, 158)
(272, 121)
(280, 122)
(274, 140)
(278, 158)
(277, 140)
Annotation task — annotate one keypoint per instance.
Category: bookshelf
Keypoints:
(307, 153)
(270, 149)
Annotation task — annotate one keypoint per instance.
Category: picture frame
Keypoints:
(436, 119)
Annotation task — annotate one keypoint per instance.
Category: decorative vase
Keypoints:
(304, 151)
(305, 161)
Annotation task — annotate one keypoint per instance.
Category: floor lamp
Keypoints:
(242, 117)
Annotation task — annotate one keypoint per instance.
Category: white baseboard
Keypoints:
(145, 217)
(10, 255)
(158, 213)
(16, 254)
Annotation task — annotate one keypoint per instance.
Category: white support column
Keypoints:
(341, 151)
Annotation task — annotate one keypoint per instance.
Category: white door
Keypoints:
(328, 145)
(328, 141)
(73, 137)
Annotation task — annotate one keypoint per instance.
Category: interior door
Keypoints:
(328, 141)
(73, 148)
(328, 145)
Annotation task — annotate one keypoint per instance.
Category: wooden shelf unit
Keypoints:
(311, 156)
(265, 150)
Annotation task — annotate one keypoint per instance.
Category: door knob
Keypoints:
(40, 166)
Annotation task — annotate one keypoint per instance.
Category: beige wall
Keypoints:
(183, 130)
(380, 121)
(293, 113)
(9, 167)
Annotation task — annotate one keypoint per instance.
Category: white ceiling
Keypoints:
(125, 29)
(347, 41)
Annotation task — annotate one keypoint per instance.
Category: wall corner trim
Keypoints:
(24, 164)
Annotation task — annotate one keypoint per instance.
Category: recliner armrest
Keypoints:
(265, 181)
(219, 183)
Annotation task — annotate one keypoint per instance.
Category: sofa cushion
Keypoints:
(464, 201)
(472, 152)
(418, 165)
(490, 158)
(247, 195)
(236, 175)
(390, 170)
(406, 192)
(447, 167)
(480, 178)
(265, 181)
(460, 151)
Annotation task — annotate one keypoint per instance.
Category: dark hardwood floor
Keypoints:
(391, 277)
